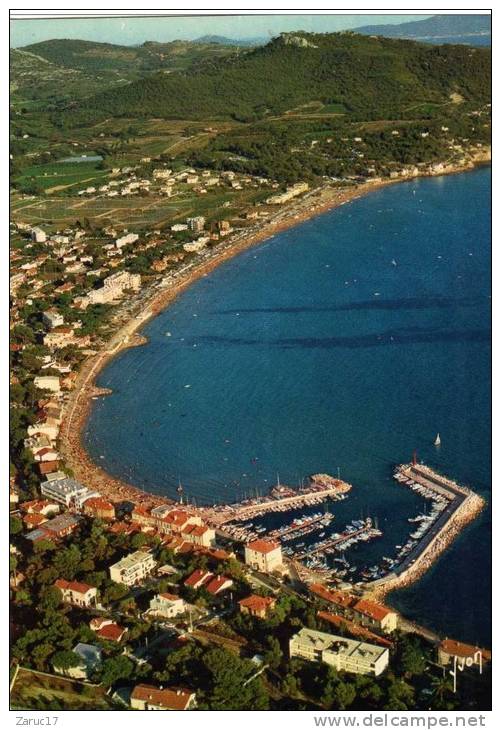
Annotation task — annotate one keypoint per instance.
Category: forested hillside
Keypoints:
(370, 76)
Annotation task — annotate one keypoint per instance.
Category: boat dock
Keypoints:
(365, 533)
(460, 506)
(281, 499)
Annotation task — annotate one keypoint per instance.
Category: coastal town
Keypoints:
(125, 599)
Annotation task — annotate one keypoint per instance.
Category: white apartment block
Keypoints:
(133, 568)
(348, 655)
(64, 490)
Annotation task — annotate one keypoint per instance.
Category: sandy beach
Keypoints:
(78, 405)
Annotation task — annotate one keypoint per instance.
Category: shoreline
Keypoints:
(78, 406)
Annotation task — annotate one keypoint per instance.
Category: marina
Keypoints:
(280, 499)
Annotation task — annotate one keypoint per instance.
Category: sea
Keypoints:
(339, 346)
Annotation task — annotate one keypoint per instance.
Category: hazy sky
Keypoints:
(134, 30)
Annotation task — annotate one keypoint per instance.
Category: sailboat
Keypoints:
(437, 441)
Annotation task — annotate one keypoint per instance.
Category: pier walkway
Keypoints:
(259, 507)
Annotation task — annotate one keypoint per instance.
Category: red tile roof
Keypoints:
(344, 600)
(373, 610)
(111, 632)
(169, 699)
(98, 503)
(169, 596)
(263, 546)
(257, 604)
(456, 648)
(198, 576)
(354, 629)
(218, 584)
(73, 586)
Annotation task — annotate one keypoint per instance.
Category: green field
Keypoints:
(32, 690)
(62, 174)
(135, 211)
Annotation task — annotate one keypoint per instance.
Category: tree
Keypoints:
(273, 654)
(412, 659)
(15, 525)
(228, 685)
(65, 660)
(344, 695)
(114, 668)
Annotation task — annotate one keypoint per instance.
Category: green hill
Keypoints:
(373, 76)
(99, 57)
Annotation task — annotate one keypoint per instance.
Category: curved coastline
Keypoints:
(77, 408)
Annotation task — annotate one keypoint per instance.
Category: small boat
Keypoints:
(437, 441)
(393, 262)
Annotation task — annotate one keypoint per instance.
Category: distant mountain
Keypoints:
(439, 28)
(222, 40)
(358, 73)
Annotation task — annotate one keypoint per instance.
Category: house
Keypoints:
(375, 615)
(147, 697)
(263, 555)
(177, 520)
(59, 337)
(218, 584)
(199, 535)
(77, 594)
(291, 192)
(133, 568)
(99, 507)
(257, 606)
(197, 579)
(167, 605)
(90, 660)
(448, 649)
(343, 654)
(111, 632)
(342, 601)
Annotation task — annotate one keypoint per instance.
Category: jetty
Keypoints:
(462, 505)
(280, 499)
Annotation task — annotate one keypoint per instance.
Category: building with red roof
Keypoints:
(343, 601)
(197, 579)
(77, 594)
(354, 629)
(257, 606)
(147, 697)
(263, 555)
(218, 584)
(99, 507)
(375, 615)
(167, 605)
(111, 632)
(448, 649)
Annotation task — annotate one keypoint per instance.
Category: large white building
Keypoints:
(263, 555)
(291, 192)
(114, 287)
(52, 318)
(133, 568)
(343, 654)
(66, 491)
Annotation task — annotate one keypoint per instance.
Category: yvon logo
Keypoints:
(460, 663)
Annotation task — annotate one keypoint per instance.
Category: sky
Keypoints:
(135, 30)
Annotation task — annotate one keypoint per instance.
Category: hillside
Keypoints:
(100, 57)
(359, 74)
(464, 27)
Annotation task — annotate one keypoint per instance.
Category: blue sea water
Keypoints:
(346, 343)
